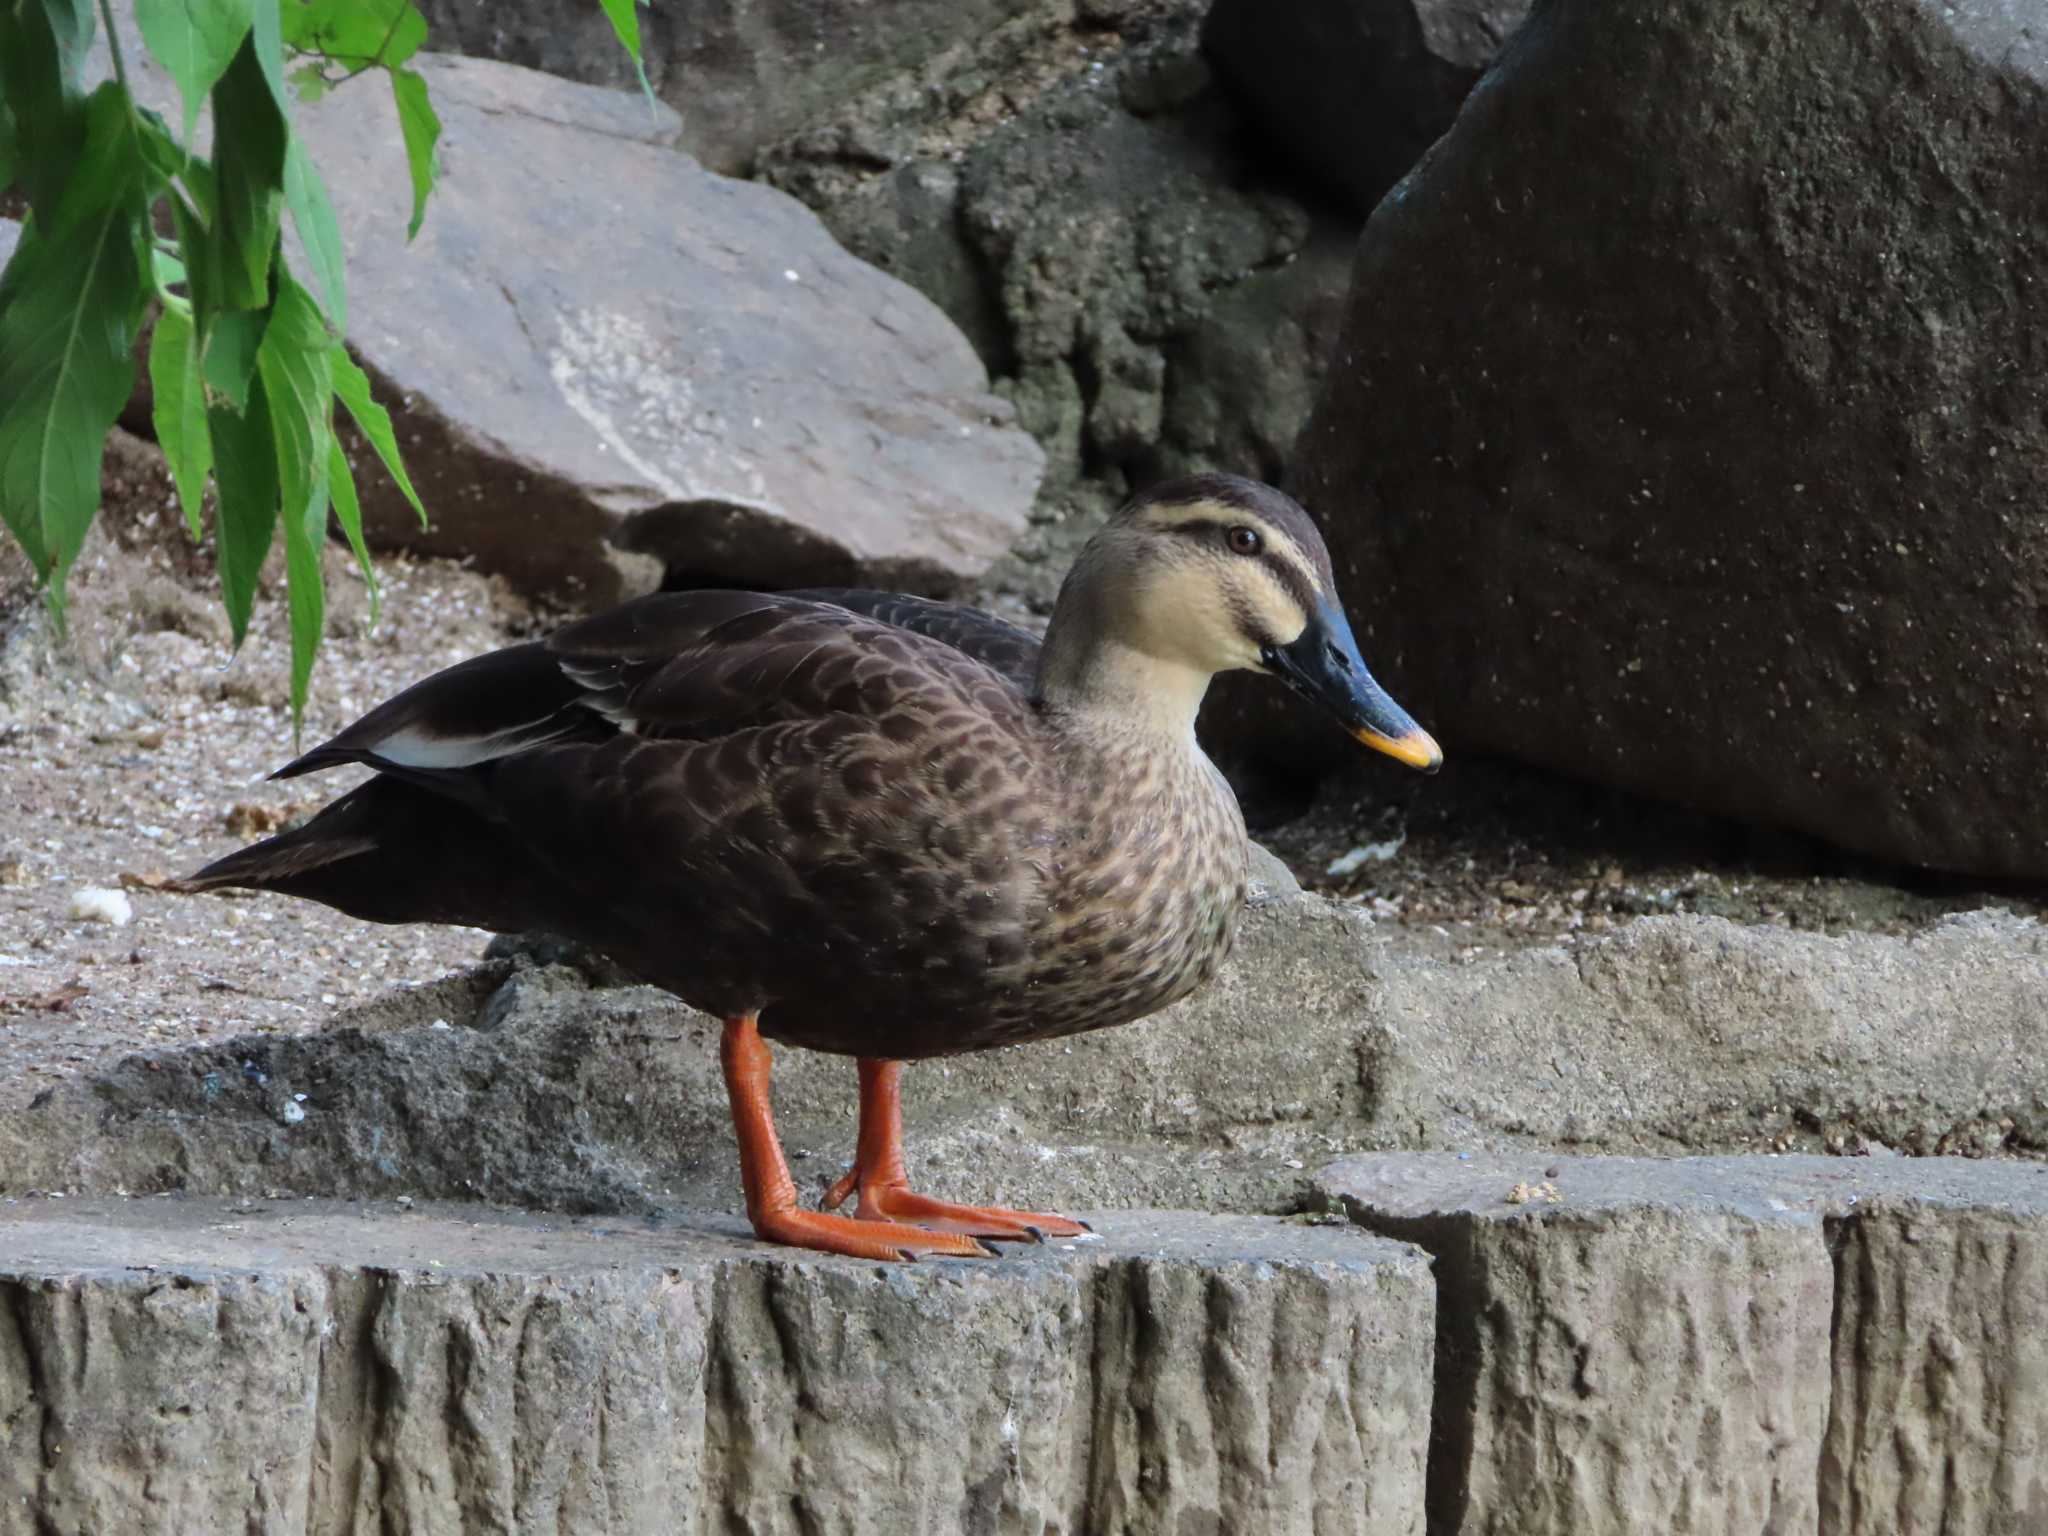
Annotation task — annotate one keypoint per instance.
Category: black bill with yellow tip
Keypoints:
(1323, 665)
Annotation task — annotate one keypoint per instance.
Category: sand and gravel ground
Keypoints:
(139, 748)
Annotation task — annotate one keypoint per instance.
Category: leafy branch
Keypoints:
(247, 360)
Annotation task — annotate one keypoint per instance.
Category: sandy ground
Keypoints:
(138, 749)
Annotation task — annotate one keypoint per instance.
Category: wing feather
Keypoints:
(688, 666)
(994, 642)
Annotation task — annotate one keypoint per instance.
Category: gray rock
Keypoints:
(1351, 92)
(1322, 1034)
(1678, 432)
(609, 367)
(740, 72)
(191, 1367)
(1939, 1417)
(1728, 1344)
(603, 347)
(1085, 207)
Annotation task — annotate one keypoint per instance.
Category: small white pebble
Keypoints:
(292, 1113)
(97, 904)
(440, 1024)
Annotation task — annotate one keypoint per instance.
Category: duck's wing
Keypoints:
(992, 641)
(680, 666)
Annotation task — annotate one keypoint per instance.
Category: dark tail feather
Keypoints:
(392, 852)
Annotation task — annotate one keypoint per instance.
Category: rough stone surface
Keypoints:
(740, 72)
(197, 1367)
(655, 358)
(521, 1082)
(1828, 1345)
(1351, 92)
(610, 368)
(1940, 1419)
(1687, 425)
(1086, 205)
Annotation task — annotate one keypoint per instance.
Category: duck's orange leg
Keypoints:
(771, 1194)
(885, 1194)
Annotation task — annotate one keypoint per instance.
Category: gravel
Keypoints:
(137, 750)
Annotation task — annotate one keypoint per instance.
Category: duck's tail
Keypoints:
(393, 852)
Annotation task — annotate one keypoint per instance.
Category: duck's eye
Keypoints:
(1243, 541)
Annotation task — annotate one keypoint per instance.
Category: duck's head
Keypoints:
(1210, 574)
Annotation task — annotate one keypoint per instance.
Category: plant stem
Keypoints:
(114, 47)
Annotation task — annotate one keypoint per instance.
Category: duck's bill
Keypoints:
(1323, 665)
(1417, 748)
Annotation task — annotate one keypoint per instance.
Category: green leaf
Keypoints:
(352, 388)
(166, 272)
(44, 100)
(245, 478)
(348, 31)
(407, 38)
(265, 31)
(72, 23)
(10, 148)
(73, 302)
(163, 154)
(178, 411)
(228, 351)
(309, 81)
(313, 216)
(249, 139)
(296, 370)
(341, 485)
(194, 40)
(625, 19)
(422, 129)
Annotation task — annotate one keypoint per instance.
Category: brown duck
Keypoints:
(856, 821)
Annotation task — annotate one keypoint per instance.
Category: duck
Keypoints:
(864, 823)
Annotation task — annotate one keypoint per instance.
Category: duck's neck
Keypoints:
(1101, 681)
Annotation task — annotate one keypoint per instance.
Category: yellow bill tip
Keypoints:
(1418, 749)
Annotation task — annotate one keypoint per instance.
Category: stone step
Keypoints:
(1840, 1346)
(189, 1366)
(1324, 1034)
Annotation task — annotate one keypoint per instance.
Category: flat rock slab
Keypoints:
(195, 1366)
(1846, 1346)
(609, 367)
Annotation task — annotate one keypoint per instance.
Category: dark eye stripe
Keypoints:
(1285, 571)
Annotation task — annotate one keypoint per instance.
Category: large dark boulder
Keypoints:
(1689, 426)
(1351, 92)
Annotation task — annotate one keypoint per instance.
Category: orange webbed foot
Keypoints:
(892, 1200)
(862, 1239)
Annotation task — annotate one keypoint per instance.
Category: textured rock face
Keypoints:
(1939, 1420)
(741, 72)
(655, 359)
(192, 1368)
(1683, 429)
(1729, 1345)
(1083, 201)
(1352, 92)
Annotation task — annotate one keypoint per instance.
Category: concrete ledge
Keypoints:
(194, 1366)
(1844, 1346)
